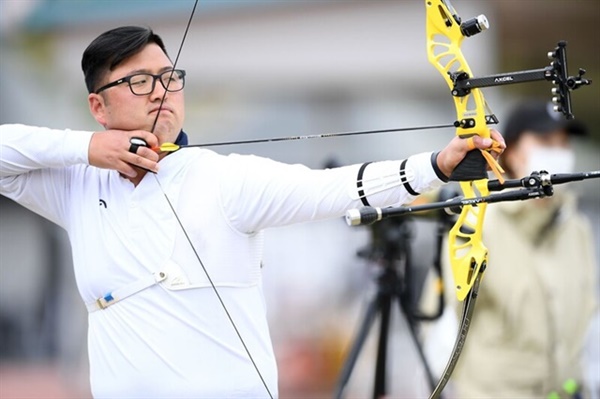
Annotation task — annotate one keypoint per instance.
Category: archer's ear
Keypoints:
(97, 108)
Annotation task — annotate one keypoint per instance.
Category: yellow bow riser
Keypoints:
(468, 254)
(444, 39)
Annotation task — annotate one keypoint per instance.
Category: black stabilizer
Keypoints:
(472, 167)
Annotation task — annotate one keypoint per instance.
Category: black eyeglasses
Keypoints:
(142, 84)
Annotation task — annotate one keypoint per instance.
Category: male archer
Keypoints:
(159, 293)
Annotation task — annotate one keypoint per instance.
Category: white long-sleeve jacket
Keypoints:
(165, 341)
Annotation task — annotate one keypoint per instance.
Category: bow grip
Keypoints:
(472, 167)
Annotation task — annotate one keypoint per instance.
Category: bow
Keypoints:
(468, 255)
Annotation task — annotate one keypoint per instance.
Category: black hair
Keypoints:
(111, 48)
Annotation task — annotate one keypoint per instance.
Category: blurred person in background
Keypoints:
(157, 325)
(538, 297)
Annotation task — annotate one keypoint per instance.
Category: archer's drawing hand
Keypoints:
(112, 149)
(456, 150)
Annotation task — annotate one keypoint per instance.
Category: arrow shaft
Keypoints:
(317, 136)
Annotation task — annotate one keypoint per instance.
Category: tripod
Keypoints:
(390, 250)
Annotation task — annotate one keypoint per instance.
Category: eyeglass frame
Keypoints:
(128, 78)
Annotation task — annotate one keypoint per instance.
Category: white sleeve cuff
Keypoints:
(411, 177)
(76, 146)
(425, 177)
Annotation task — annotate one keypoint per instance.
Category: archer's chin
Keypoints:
(166, 133)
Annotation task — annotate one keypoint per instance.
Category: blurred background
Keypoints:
(266, 69)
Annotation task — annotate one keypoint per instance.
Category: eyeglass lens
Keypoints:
(144, 83)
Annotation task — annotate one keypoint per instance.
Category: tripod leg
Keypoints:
(379, 390)
(359, 341)
(415, 337)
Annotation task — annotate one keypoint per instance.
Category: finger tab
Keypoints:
(138, 141)
(135, 143)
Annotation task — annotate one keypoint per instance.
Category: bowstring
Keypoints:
(214, 288)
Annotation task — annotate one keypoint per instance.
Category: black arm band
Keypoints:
(405, 181)
(359, 184)
(436, 168)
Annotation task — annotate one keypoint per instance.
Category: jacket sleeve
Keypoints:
(257, 192)
(35, 163)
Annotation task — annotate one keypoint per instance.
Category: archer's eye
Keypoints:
(170, 76)
(173, 80)
(140, 80)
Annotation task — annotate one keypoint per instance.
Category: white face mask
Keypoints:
(550, 159)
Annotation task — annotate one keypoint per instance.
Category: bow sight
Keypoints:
(556, 72)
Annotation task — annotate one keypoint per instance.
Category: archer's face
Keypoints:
(118, 108)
